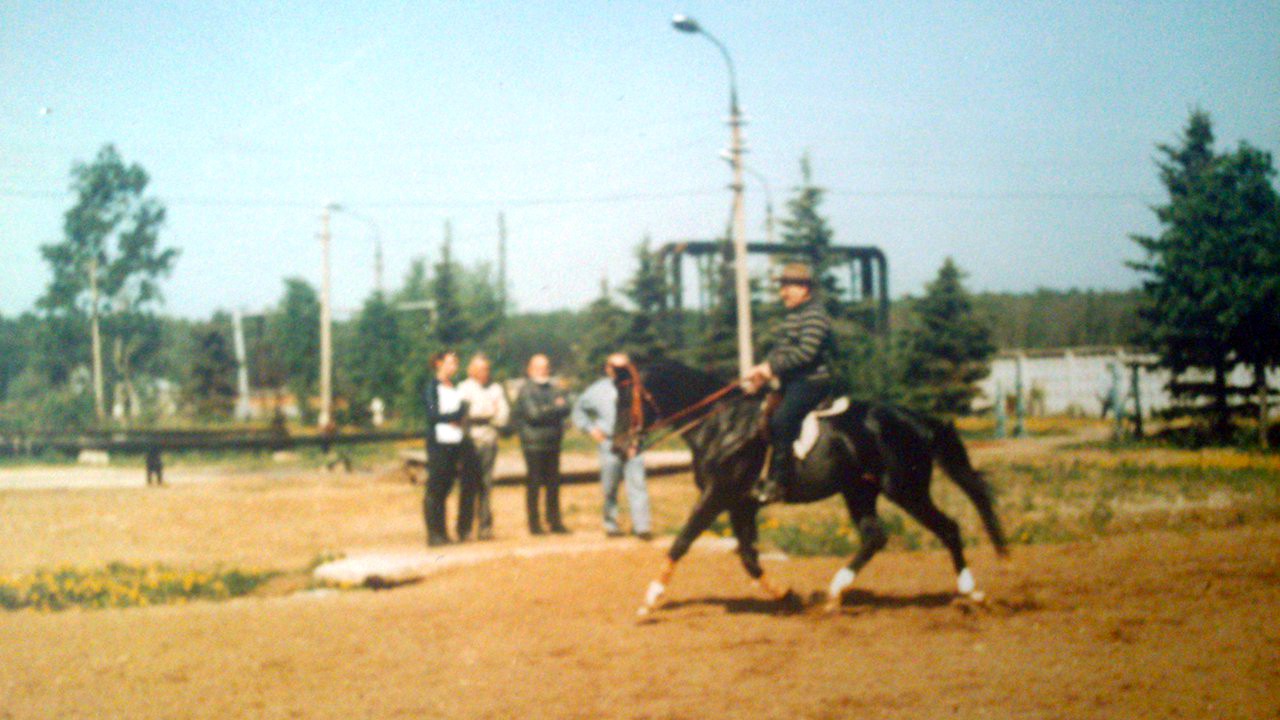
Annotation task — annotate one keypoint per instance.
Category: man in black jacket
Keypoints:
(539, 415)
(801, 360)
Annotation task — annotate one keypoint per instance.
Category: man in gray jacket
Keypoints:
(594, 413)
(539, 414)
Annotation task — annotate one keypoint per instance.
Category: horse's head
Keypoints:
(635, 410)
(666, 394)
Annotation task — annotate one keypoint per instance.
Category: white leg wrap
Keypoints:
(842, 580)
(654, 593)
(965, 583)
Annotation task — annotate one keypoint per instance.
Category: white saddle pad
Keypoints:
(809, 428)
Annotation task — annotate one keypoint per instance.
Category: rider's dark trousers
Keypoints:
(798, 398)
(543, 471)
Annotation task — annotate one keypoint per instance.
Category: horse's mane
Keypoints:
(678, 382)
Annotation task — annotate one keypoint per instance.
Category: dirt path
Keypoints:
(1151, 625)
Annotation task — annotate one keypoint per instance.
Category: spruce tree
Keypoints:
(212, 385)
(450, 326)
(948, 348)
(649, 327)
(295, 326)
(808, 232)
(1210, 275)
(379, 353)
(605, 326)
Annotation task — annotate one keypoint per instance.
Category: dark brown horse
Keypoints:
(860, 453)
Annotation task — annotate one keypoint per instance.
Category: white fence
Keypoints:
(1079, 382)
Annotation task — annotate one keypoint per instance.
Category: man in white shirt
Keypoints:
(488, 412)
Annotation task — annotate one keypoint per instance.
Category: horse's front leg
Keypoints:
(743, 518)
(704, 513)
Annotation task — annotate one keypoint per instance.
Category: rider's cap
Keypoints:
(796, 274)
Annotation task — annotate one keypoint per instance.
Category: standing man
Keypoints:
(801, 360)
(594, 413)
(445, 411)
(488, 413)
(540, 411)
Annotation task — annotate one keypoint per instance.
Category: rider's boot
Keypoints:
(772, 487)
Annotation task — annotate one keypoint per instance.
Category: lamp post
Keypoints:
(686, 24)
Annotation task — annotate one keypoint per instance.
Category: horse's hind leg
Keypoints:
(920, 506)
(872, 539)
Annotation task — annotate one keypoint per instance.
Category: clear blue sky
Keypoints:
(1018, 137)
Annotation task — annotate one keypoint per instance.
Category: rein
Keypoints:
(641, 394)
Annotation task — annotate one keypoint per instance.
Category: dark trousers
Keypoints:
(543, 468)
(442, 470)
(798, 398)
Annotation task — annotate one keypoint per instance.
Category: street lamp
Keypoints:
(686, 24)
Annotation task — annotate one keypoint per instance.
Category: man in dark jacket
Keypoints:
(539, 415)
(801, 360)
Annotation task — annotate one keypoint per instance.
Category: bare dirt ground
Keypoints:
(1145, 624)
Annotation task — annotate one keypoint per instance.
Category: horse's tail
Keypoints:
(950, 452)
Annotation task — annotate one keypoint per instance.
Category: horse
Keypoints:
(867, 450)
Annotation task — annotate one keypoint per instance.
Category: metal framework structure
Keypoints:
(868, 269)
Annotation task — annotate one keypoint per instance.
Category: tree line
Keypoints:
(1210, 286)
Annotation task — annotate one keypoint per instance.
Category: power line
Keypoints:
(599, 199)
(395, 204)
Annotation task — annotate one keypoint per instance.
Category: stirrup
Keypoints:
(766, 491)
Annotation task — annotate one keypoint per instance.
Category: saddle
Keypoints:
(809, 428)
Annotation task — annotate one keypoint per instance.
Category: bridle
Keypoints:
(638, 436)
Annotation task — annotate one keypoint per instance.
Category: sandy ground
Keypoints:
(1157, 625)
(1150, 624)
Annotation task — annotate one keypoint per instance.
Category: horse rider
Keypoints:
(801, 361)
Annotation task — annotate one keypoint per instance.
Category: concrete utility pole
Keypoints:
(99, 402)
(242, 368)
(326, 322)
(686, 24)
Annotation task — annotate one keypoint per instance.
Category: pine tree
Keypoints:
(808, 232)
(450, 326)
(1210, 274)
(948, 349)
(650, 326)
(605, 326)
(212, 384)
(1252, 208)
(379, 353)
(295, 326)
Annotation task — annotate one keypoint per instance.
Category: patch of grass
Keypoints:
(125, 585)
(810, 537)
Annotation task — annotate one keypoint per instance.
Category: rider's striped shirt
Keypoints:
(803, 348)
